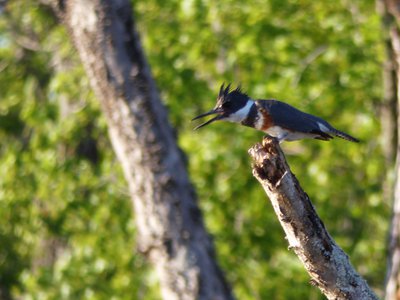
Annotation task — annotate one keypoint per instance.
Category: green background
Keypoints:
(66, 227)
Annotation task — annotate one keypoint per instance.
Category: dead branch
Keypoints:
(327, 264)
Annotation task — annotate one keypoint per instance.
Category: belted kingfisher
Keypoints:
(276, 118)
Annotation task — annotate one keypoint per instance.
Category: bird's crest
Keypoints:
(226, 94)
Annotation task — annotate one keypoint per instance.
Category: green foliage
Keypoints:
(66, 227)
(324, 58)
(65, 224)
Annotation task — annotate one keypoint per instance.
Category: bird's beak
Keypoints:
(211, 112)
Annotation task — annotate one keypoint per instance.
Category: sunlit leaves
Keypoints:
(324, 58)
(61, 187)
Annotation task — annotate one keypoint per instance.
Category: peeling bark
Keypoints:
(326, 263)
(170, 228)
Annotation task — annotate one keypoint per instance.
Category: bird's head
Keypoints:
(231, 106)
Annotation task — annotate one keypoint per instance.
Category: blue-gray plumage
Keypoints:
(276, 118)
(288, 117)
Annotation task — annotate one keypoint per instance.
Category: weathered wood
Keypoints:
(169, 223)
(327, 264)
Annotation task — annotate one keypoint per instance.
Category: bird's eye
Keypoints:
(226, 104)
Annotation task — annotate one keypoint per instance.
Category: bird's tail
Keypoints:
(344, 136)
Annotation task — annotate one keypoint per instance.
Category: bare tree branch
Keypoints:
(327, 264)
(170, 227)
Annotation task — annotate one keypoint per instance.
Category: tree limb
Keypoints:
(326, 263)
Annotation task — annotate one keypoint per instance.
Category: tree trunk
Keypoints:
(169, 223)
(388, 113)
(324, 260)
(391, 21)
(392, 290)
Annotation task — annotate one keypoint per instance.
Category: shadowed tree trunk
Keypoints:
(5, 293)
(170, 228)
(390, 12)
(388, 113)
(327, 264)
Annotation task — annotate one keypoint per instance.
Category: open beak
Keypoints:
(211, 112)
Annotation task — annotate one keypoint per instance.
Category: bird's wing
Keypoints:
(288, 117)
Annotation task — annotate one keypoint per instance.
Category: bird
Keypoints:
(275, 118)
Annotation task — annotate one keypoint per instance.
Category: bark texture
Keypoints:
(388, 112)
(327, 264)
(169, 223)
(391, 20)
